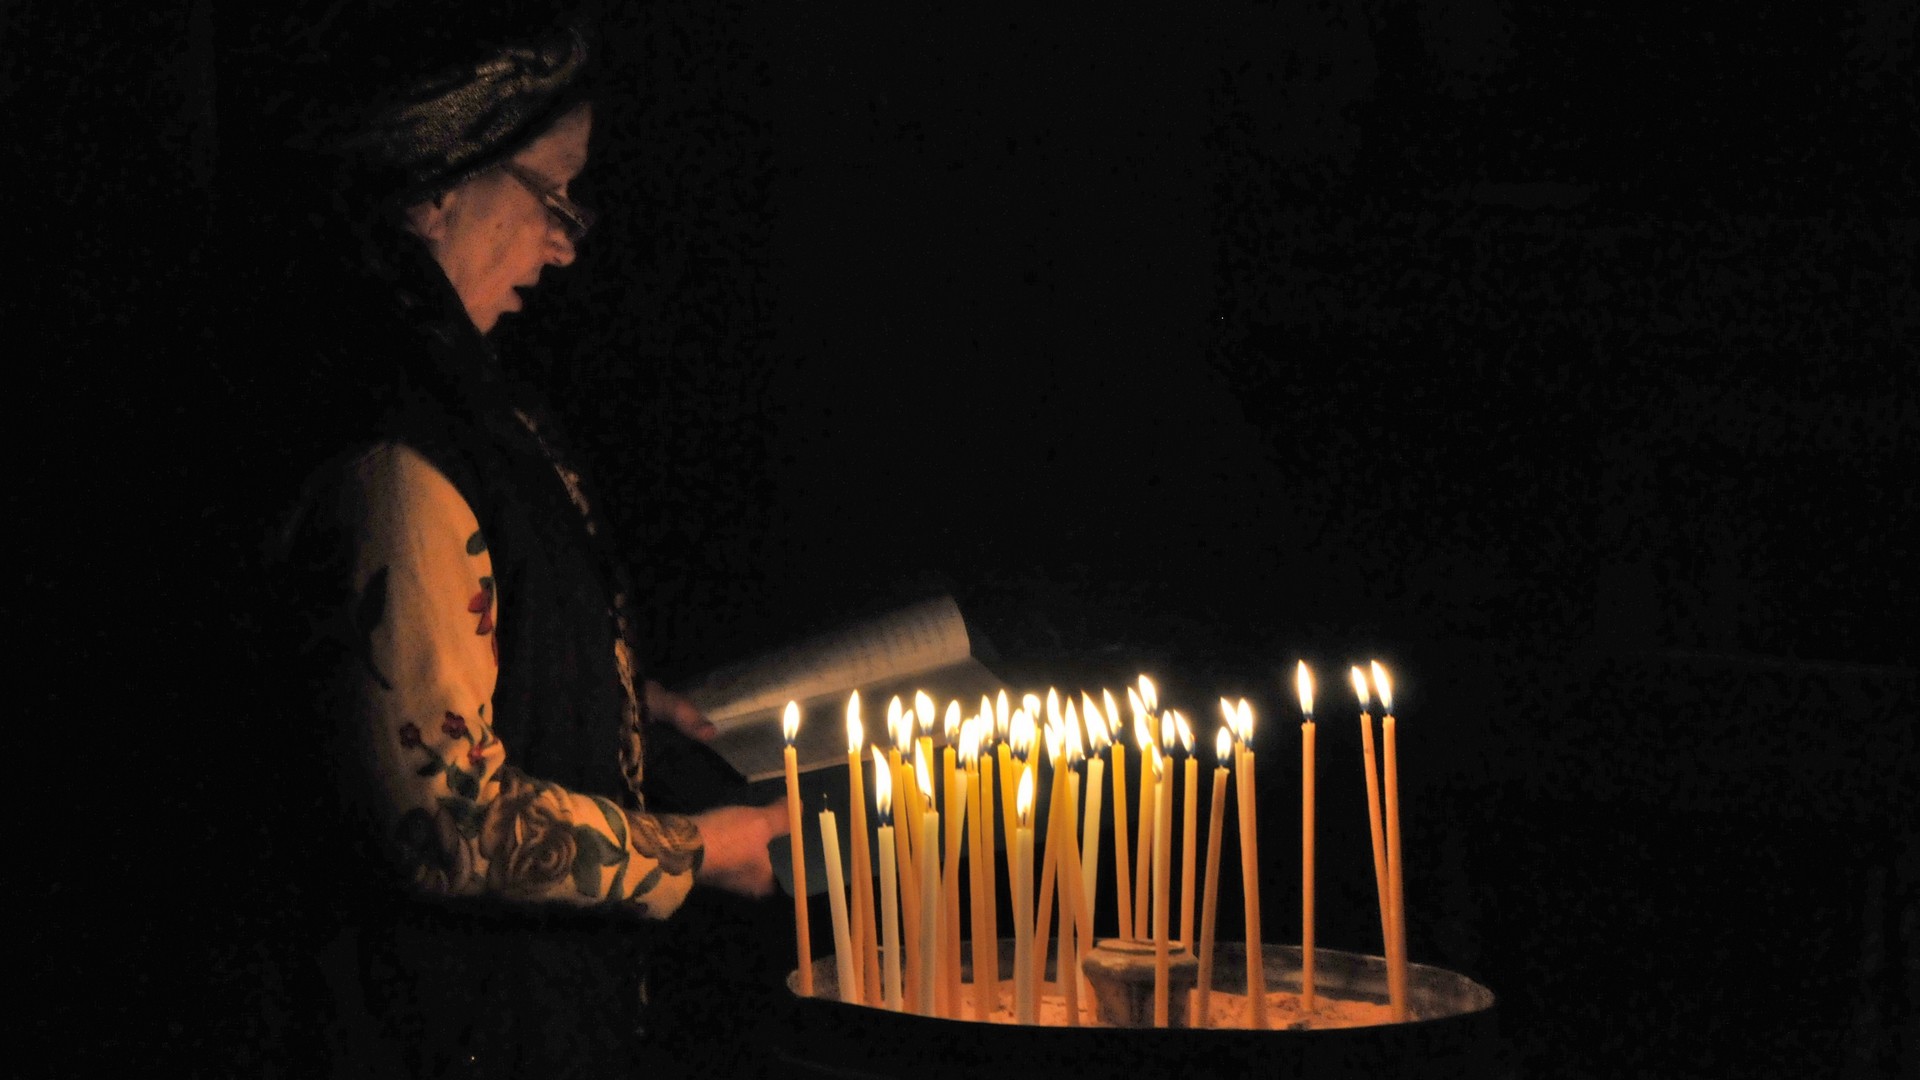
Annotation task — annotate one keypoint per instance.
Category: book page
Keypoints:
(899, 644)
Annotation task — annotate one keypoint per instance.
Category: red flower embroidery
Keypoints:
(409, 735)
(455, 726)
(482, 605)
(476, 757)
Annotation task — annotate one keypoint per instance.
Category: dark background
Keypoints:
(1562, 359)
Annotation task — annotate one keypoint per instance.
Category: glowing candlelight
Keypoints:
(1303, 685)
(1023, 988)
(956, 817)
(1149, 796)
(789, 729)
(1250, 868)
(1373, 819)
(843, 958)
(1189, 827)
(1162, 838)
(1122, 876)
(889, 883)
(928, 865)
(1050, 862)
(1090, 834)
(980, 864)
(1396, 896)
(864, 945)
(900, 727)
(1223, 745)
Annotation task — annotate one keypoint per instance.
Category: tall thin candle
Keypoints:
(1189, 829)
(843, 958)
(1373, 817)
(1250, 870)
(889, 884)
(928, 865)
(1396, 897)
(1303, 684)
(789, 728)
(1023, 988)
(1090, 831)
(1223, 745)
(1143, 850)
(1162, 840)
(864, 945)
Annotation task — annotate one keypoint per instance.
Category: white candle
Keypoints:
(837, 899)
(889, 884)
(1090, 832)
(796, 846)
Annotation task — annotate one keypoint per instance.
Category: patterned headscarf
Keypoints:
(429, 135)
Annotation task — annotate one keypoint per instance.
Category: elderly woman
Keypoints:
(464, 628)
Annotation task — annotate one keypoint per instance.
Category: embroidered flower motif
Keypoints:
(455, 726)
(410, 735)
(476, 757)
(527, 838)
(482, 605)
(431, 844)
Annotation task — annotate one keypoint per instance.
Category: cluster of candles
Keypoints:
(914, 962)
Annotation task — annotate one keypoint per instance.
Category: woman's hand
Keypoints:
(665, 706)
(737, 838)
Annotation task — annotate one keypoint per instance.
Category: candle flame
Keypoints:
(1148, 694)
(1157, 760)
(1223, 744)
(1031, 703)
(1020, 734)
(923, 774)
(1186, 733)
(1023, 805)
(1000, 717)
(951, 723)
(1303, 684)
(1385, 686)
(1053, 705)
(1071, 729)
(1166, 730)
(1097, 736)
(986, 719)
(1360, 686)
(882, 787)
(1142, 731)
(923, 709)
(856, 731)
(970, 742)
(790, 722)
(1056, 745)
(1135, 706)
(897, 728)
(1245, 713)
(1111, 714)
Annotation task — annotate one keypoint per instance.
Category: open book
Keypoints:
(925, 646)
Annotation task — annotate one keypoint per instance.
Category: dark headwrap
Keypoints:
(426, 131)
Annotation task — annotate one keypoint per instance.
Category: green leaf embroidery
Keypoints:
(431, 768)
(616, 821)
(647, 883)
(463, 783)
(467, 814)
(476, 543)
(591, 852)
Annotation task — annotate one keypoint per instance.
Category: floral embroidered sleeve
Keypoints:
(465, 821)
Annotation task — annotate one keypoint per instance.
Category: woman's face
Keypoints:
(492, 235)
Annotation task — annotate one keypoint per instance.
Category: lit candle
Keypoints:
(1122, 876)
(889, 883)
(929, 867)
(1162, 840)
(1223, 745)
(1075, 932)
(1149, 798)
(789, 728)
(956, 817)
(1250, 870)
(1373, 818)
(1090, 832)
(843, 957)
(900, 726)
(864, 945)
(1050, 861)
(1023, 988)
(1189, 828)
(1303, 684)
(980, 862)
(1396, 897)
(989, 871)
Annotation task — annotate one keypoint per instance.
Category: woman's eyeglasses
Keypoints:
(573, 219)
